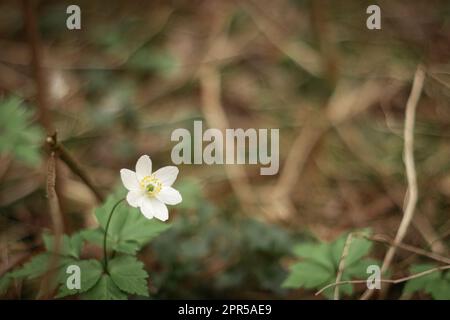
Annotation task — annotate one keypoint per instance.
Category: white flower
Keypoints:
(151, 191)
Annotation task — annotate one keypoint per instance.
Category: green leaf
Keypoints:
(359, 248)
(33, 268)
(319, 253)
(91, 271)
(321, 261)
(359, 270)
(344, 289)
(308, 275)
(70, 246)
(437, 284)
(420, 283)
(18, 136)
(440, 290)
(104, 289)
(129, 230)
(38, 265)
(129, 275)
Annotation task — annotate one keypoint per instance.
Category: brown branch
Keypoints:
(412, 193)
(57, 221)
(407, 247)
(341, 267)
(395, 281)
(73, 165)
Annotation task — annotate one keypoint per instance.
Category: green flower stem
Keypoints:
(105, 253)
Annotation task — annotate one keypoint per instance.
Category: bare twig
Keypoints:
(412, 193)
(395, 281)
(57, 221)
(73, 165)
(341, 267)
(407, 247)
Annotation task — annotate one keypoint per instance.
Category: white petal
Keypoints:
(129, 179)
(160, 210)
(147, 208)
(167, 175)
(169, 195)
(143, 167)
(134, 198)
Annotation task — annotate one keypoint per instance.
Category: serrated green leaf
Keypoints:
(90, 273)
(328, 256)
(317, 252)
(359, 270)
(308, 275)
(33, 268)
(129, 275)
(344, 289)
(359, 248)
(127, 227)
(70, 246)
(104, 289)
(40, 264)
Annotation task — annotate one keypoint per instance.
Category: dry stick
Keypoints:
(348, 135)
(55, 214)
(408, 133)
(395, 281)
(407, 247)
(45, 119)
(73, 165)
(341, 267)
(216, 117)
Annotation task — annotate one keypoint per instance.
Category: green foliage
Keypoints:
(129, 275)
(91, 271)
(105, 289)
(320, 262)
(70, 246)
(437, 284)
(234, 252)
(18, 136)
(128, 231)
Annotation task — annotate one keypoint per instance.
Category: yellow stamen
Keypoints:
(151, 185)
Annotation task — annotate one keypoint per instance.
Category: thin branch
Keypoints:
(341, 267)
(408, 150)
(395, 281)
(407, 247)
(73, 165)
(57, 221)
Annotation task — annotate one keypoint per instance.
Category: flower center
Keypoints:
(151, 185)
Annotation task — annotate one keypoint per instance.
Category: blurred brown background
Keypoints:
(137, 70)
